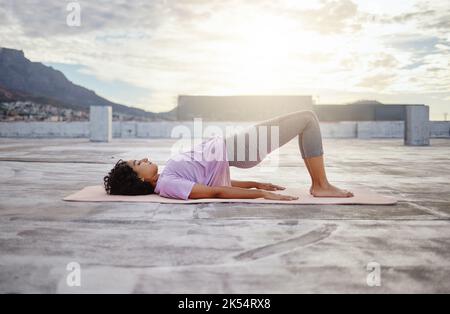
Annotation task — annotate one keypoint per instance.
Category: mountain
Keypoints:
(21, 79)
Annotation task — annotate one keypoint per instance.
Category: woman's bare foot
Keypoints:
(329, 190)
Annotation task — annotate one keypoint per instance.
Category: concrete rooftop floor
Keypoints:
(224, 248)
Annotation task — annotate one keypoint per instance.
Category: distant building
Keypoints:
(239, 108)
(361, 111)
(31, 111)
(256, 108)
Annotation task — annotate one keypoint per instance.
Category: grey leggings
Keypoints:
(261, 139)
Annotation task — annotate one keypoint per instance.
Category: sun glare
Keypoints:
(257, 60)
(268, 53)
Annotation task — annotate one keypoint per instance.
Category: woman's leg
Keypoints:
(320, 186)
(303, 124)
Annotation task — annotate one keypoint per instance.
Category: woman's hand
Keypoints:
(268, 186)
(278, 197)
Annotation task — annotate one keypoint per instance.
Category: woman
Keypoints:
(194, 174)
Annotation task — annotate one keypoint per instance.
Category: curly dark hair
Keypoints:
(122, 180)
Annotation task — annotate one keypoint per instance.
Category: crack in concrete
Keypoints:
(431, 211)
(284, 246)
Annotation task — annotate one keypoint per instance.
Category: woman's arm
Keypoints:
(258, 185)
(204, 191)
(244, 184)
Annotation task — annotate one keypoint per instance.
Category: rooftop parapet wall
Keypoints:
(164, 129)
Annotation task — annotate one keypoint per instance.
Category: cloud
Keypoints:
(413, 16)
(4, 20)
(417, 44)
(404, 17)
(424, 17)
(442, 23)
(384, 60)
(47, 19)
(333, 17)
(330, 17)
(377, 82)
(414, 65)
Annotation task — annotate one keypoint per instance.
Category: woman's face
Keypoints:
(144, 168)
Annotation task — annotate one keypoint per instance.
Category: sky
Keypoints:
(145, 53)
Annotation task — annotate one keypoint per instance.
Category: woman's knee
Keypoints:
(311, 114)
(307, 114)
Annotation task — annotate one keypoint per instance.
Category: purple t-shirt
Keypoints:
(206, 163)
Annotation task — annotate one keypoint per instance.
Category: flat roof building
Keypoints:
(239, 108)
(261, 107)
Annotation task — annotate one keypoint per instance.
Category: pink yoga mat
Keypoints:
(97, 193)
